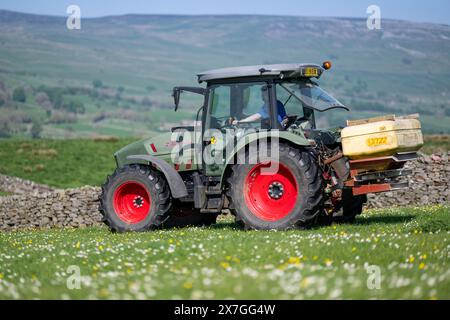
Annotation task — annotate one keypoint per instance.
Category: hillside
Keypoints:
(113, 77)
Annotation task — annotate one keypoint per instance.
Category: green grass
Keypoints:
(3, 193)
(60, 163)
(436, 144)
(409, 245)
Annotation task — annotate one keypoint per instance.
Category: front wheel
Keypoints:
(135, 198)
(286, 197)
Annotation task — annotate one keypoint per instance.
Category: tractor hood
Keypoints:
(159, 145)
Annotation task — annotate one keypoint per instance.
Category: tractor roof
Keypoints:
(291, 70)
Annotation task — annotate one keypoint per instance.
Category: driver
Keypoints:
(263, 113)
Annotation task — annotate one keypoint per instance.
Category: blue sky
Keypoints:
(436, 11)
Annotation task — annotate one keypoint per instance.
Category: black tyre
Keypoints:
(185, 215)
(288, 197)
(135, 198)
(351, 206)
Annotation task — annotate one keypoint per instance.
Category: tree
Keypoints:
(447, 112)
(146, 101)
(36, 130)
(5, 130)
(97, 84)
(19, 95)
(3, 98)
(43, 100)
(74, 107)
(119, 92)
(55, 95)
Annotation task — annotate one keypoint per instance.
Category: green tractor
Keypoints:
(254, 152)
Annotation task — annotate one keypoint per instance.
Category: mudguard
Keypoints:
(176, 183)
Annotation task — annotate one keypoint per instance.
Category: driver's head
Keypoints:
(265, 94)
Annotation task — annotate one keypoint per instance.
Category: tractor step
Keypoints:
(213, 192)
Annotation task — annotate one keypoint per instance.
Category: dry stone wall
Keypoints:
(429, 184)
(58, 208)
(35, 205)
(21, 186)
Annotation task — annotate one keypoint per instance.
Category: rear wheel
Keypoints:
(135, 198)
(289, 196)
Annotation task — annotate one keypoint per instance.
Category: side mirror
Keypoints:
(177, 91)
(176, 97)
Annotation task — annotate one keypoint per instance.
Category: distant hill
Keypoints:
(113, 77)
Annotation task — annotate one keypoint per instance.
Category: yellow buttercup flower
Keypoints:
(294, 260)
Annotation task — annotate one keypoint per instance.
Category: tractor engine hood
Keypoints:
(159, 145)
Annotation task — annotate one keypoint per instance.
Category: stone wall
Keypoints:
(21, 186)
(35, 205)
(58, 208)
(429, 184)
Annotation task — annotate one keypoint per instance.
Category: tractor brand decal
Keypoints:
(378, 141)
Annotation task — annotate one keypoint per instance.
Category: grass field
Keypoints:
(436, 143)
(60, 163)
(409, 245)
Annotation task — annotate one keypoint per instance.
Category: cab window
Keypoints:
(236, 101)
(291, 104)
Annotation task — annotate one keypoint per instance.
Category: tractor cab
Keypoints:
(262, 97)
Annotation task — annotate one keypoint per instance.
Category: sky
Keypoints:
(435, 11)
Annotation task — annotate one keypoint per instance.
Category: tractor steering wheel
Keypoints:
(291, 119)
(227, 123)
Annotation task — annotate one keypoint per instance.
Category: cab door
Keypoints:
(218, 113)
(227, 102)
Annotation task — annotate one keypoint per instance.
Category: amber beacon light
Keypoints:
(326, 65)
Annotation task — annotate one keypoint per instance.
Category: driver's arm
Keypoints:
(253, 117)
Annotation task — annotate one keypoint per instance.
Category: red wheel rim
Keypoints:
(270, 196)
(132, 202)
